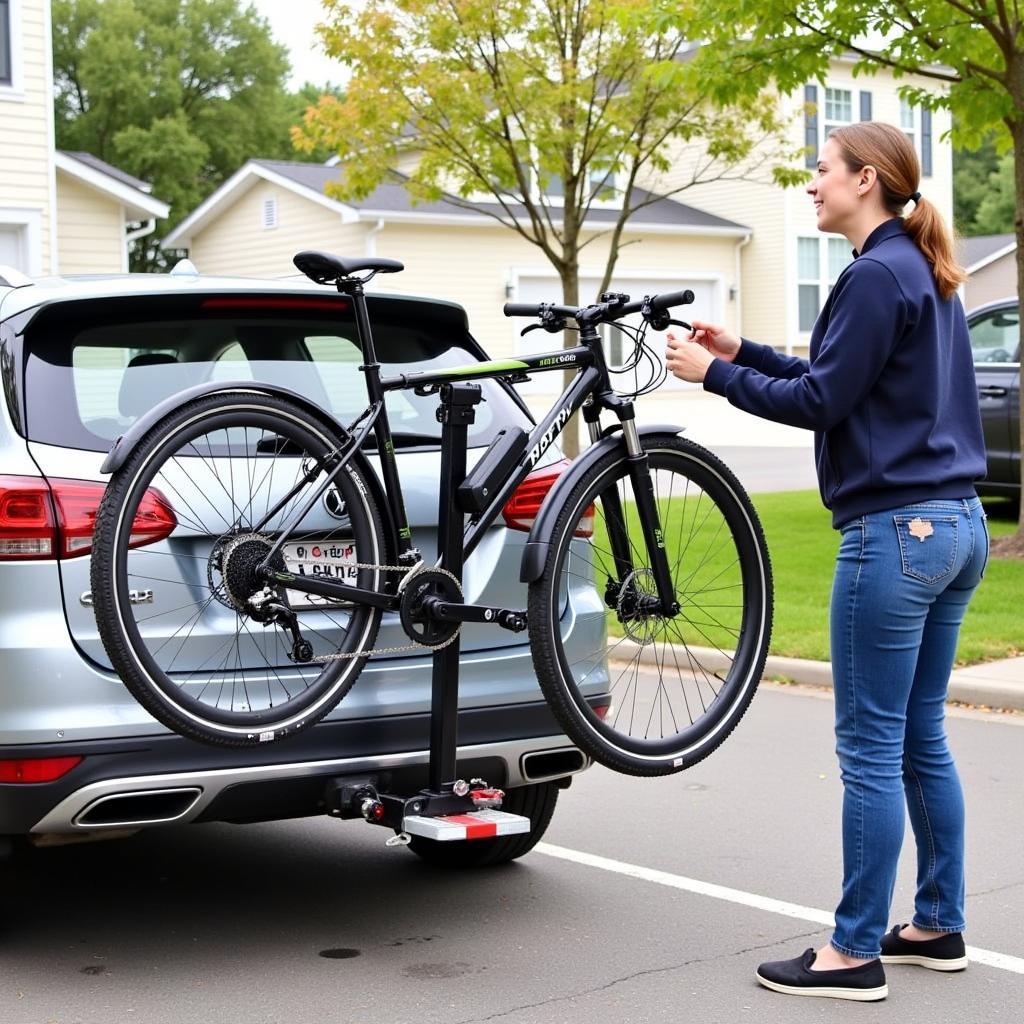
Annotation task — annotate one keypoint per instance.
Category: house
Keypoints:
(67, 213)
(789, 266)
(750, 251)
(270, 209)
(991, 265)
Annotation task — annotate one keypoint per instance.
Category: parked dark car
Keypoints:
(995, 340)
(80, 360)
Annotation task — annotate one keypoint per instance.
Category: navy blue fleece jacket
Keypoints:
(889, 390)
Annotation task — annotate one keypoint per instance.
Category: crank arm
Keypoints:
(448, 611)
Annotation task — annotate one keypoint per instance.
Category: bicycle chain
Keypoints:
(410, 573)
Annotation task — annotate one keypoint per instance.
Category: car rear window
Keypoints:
(88, 379)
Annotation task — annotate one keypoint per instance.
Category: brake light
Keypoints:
(27, 524)
(270, 302)
(521, 509)
(37, 769)
(56, 518)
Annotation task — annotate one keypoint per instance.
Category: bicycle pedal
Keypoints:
(471, 825)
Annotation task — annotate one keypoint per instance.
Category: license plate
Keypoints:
(326, 560)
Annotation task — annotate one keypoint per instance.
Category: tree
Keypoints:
(972, 49)
(541, 107)
(177, 92)
(971, 170)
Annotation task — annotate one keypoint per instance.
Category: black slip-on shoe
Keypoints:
(794, 977)
(943, 953)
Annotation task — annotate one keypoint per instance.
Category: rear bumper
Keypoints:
(157, 780)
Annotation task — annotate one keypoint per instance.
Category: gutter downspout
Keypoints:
(147, 229)
(371, 237)
(745, 241)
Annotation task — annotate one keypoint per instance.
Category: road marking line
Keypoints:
(1003, 961)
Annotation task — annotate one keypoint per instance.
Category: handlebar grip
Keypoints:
(522, 308)
(669, 299)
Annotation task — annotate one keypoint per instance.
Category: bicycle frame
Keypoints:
(590, 385)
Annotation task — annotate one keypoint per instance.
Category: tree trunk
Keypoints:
(1017, 131)
(570, 275)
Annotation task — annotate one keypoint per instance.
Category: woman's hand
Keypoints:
(689, 358)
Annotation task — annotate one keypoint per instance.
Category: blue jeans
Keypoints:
(903, 580)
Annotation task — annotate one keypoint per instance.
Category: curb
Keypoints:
(967, 685)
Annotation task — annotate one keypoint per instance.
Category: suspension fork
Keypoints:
(639, 468)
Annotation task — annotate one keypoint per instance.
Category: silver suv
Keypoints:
(81, 359)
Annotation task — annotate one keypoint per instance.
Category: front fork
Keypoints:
(647, 509)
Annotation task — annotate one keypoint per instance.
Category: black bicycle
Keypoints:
(649, 602)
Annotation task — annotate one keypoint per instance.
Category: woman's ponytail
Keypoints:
(926, 227)
(892, 155)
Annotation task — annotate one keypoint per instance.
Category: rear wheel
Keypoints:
(188, 624)
(642, 692)
(536, 802)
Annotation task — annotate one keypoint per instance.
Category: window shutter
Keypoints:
(865, 106)
(811, 126)
(926, 142)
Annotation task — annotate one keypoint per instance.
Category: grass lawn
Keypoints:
(803, 548)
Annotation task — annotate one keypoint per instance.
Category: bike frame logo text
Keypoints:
(549, 435)
(555, 360)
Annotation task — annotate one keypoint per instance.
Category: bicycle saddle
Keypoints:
(323, 268)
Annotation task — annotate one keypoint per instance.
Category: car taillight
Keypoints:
(37, 769)
(55, 518)
(521, 509)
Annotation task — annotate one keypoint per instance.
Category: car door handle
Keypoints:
(993, 391)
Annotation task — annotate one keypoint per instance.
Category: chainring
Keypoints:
(417, 625)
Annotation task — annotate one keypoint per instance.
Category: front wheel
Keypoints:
(642, 692)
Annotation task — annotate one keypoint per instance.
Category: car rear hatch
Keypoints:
(91, 368)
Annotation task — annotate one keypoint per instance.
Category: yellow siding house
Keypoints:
(60, 212)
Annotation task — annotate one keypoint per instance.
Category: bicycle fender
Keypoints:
(535, 552)
(127, 442)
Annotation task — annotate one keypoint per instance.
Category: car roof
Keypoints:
(1010, 300)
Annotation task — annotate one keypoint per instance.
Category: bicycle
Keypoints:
(646, 533)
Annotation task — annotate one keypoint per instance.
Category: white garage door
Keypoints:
(617, 348)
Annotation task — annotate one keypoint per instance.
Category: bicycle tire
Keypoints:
(173, 696)
(591, 720)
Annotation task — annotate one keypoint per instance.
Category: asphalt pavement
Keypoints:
(650, 901)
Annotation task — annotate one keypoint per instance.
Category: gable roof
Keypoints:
(982, 250)
(131, 192)
(392, 202)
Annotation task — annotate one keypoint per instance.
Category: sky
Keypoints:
(291, 22)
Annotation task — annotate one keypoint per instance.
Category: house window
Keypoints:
(6, 78)
(908, 120)
(838, 109)
(602, 189)
(817, 264)
(808, 272)
(270, 212)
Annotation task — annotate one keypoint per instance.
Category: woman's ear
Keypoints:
(867, 177)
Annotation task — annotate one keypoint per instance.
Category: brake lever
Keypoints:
(679, 323)
(531, 327)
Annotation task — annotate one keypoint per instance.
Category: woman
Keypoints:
(889, 392)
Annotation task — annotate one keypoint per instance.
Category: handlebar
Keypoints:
(669, 299)
(600, 311)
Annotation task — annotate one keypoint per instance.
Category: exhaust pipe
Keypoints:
(544, 765)
(133, 810)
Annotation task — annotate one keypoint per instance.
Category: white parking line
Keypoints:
(1003, 961)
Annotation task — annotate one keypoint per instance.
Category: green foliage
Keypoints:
(515, 100)
(971, 170)
(996, 209)
(177, 92)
